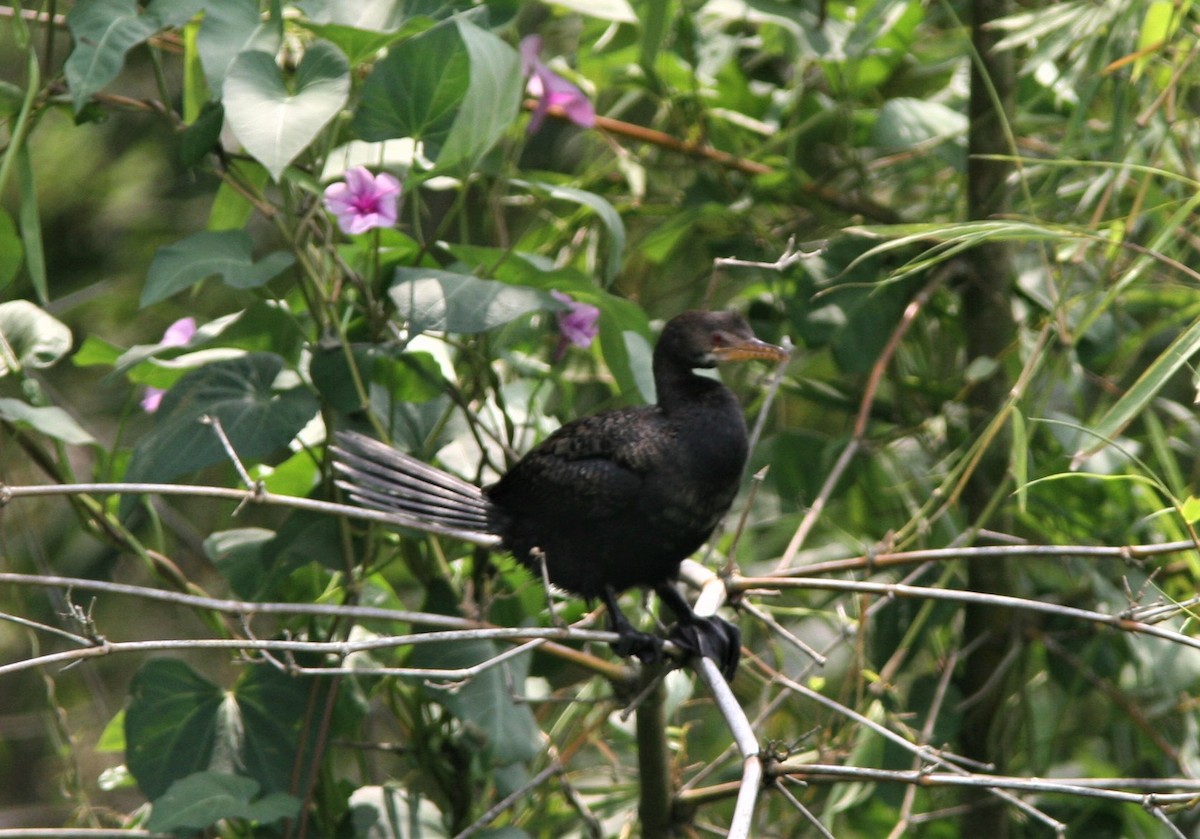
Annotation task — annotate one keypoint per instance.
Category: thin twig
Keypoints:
(899, 590)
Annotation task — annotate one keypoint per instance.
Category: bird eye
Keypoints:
(718, 340)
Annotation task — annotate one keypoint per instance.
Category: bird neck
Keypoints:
(679, 387)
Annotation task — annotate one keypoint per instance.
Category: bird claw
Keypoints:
(713, 638)
(647, 648)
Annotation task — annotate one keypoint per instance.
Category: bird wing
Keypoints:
(592, 468)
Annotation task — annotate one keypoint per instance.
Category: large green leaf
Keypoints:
(170, 724)
(178, 723)
(223, 253)
(257, 419)
(30, 337)
(492, 101)
(416, 91)
(456, 89)
(276, 123)
(442, 301)
(105, 30)
(203, 799)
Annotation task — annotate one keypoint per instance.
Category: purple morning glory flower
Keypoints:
(177, 335)
(363, 201)
(551, 89)
(578, 325)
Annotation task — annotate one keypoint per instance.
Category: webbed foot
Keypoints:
(714, 638)
(647, 648)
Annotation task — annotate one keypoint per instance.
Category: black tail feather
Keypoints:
(416, 494)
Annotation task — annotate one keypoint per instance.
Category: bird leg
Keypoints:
(711, 637)
(647, 648)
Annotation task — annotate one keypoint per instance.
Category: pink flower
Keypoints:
(551, 89)
(578, 324)
(177, 335)
(363, 201)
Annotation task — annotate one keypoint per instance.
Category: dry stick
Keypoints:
(747, 744)
(787, 259)
(872, 562)
(1100, 788)
(339, 649)
(860, 423)
(1120, 622)
(857, 205)
(247, 609)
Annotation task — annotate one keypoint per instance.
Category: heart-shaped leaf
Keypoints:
(455, 89)
(416, 91)
(257, 419)
(274, 123)
(179, 723)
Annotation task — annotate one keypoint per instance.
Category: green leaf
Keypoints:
(416, 91)
(30, 224)
(618, 11)
(11, 252)
(379, 812)
(485, 704)
(170, 724)
(230, 208)
(1139, 395)
(1190, 509)
(607, 213)
(203, 799)
(224, 253)
(492, 101)
(229, 29)
(51, 421)
(178, 723)
(112, 738)
(203, 135)
(35, 338)
(442, 301)
(238, 555)
(276, 124)
(96, 352)
(409, 376)
(257, 419)
(271, 705)
(903, 123)
(105, 30)
(368, 15)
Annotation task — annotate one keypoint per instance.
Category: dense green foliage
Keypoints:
(927, 505)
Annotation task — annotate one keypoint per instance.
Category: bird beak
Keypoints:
(750, 348)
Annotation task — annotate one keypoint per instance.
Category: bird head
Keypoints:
(703, 339)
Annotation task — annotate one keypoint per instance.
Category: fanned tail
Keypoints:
(416, 494)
